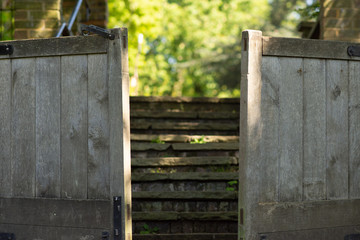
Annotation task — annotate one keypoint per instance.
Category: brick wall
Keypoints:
(36, 18)
(42, 18)
(340, 20)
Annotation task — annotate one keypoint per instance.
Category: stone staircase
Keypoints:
(184, 168)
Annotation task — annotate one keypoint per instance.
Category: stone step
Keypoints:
(183, 115)
(166, 99)
(143, 124)
(188, 236)
(219, 195)
(184, 104)
(194, 216)
(184, 176)
(227, 146)
(181, 138)
(183, 161)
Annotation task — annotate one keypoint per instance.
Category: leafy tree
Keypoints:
(192, 48)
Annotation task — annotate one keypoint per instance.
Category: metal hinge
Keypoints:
(86, 29)
(6, 49)
(117, 218)
(353, 51)
(7, 236)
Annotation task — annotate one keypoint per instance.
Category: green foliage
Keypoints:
(192, 48)
(310, 12)
(157, 140)
(232, 185)
(6, 21)
(149, 230)
(200, 140)
(187, 43)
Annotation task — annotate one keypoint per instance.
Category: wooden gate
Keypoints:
(299, 139)
(65, 139)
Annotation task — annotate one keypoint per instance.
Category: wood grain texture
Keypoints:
(307, 48)
(354, 129)
(57, 46)
(314, 129)
(48, 127)
(269, 138)
(5, 126)
(28, 232)
(337, 129)
(23, 127)
(250, 130)
(98, 128)
(290, 130)
(119, 115)
(74, 130)
(55, 212)
(274, 217)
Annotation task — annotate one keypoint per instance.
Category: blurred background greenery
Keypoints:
(192, 47)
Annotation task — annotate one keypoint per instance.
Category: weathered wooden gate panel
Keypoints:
(299, 139)
(64, 135)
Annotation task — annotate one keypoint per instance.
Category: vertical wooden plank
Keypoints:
(290, 130)
(48, 127)
(98, 128)
(337, 129)
(314, 129)
(5, 124)
(354, 129)
(250, 132)
(23, 127)
(119, 117)
(269, 139)
(74, 127)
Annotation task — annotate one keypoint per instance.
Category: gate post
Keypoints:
(250, 129)
(120, 127)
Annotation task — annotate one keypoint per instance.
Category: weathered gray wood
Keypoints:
(268, 138)
(48, 127)
(145, 124)
(28, 232)
(163, 114)
(185, 195)
(74, 136)
(314, 129)
(188, 236)
(206, 146)
(5, 124)
(317, 234)
(188, 176)
(182, 138)
(57, 46)
(307, 48)
(136, 146)
(290, 130)
(119, 115)
(273, 217)
(194, 216)
(191, 115)
(250, 131)
(354, 129)
(183, 161)
(98, 128)
(55, 212)
(23, 127)
(149, 146)
(337, 129)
